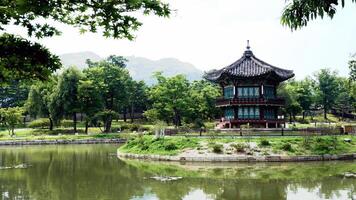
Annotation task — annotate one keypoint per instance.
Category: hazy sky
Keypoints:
(212, 34)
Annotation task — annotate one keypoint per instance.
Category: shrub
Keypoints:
(287, 147)
(66, 123)
(325, 145)
(264, 142)
(170, 146)
(303, 121)
(218, 148)
(133, 127)
(239, 147)
(39, 123)
(124, 127)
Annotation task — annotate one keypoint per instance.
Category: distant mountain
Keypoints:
(140, 68)
(78, 59)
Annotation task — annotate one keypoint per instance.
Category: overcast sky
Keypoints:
(212, 34)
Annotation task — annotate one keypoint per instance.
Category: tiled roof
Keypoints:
(249, 66)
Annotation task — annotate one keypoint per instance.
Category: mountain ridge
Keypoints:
(140, 68)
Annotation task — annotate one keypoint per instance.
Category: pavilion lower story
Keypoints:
(251, 116)
(236, 123)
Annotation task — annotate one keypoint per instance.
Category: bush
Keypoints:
(325, 145)
(264, 142)
(39, 123)
(287, 147)
(170, 146)
(218, 148)
(239, 147)
(66, 123)
(303, 121)
(133, 127)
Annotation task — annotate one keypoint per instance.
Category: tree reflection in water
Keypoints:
(89, 172)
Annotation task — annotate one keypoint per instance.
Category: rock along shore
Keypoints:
(239, 158)
(48, 142)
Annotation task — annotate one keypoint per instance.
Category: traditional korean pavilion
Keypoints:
(249, 92)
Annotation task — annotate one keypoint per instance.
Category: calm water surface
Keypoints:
(90, 172)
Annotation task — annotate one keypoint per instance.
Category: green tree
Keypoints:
(117, 19)
(352, 67)
(298, 13)
(327, 89)
(65, 100)
(112, 82)
(138, 97)
(11, 117)
(21, 59)
(40, 98)
(289, 91)
(14, 93)
(305, 94)
(344, 99)
(204, 95)
(170, 99)
(90, 101)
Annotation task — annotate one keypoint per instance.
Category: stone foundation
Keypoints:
(239, 158)
(48, 142)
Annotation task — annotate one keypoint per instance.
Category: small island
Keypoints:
(240, 149)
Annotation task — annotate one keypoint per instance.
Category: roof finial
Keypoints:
(248, 45)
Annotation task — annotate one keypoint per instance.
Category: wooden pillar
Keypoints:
(266, 124)
(261, 90)
(235, 90)
(222, 87)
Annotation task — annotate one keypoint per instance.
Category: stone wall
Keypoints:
(47, 142)
(239, 158)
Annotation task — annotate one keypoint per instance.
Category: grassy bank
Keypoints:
(316, 145)
(59, 134)
(160, 146)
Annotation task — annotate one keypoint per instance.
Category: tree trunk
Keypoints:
(50, 124)
(75, 122)
(132, 113)
(325, 116)
(108, 124)
(303, 115)
(86, 127)
(125, 112)
(290, 117)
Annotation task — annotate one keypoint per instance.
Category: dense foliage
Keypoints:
(299, 12)
(176, 100)
(115, 18)
(11, 117)
(22, 59)
(326, 91)
(14, 93)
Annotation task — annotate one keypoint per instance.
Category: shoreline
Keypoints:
(61, 141)
(237, 158)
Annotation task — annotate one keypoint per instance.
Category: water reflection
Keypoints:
(89, 172)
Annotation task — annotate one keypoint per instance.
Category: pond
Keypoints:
(94, 172)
